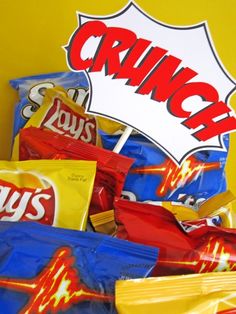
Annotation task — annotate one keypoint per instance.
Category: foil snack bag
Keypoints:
(182, 249)
(53, 270)
(104, 222)
(112, 168)
(31, 91)
(60, 114)
(52, 192)
(218, 210)
(212, 293)
(155, 177)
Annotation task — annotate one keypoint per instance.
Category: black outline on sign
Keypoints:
(210, 42)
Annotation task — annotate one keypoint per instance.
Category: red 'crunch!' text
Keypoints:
(156, 74)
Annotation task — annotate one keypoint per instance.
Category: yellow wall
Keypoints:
(32, 33)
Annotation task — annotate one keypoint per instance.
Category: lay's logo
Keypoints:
(26, 197)
(63, 120)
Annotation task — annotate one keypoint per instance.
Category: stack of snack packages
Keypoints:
(86, 230)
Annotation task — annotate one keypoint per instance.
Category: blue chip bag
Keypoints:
(52, 270)
(155, 177)
(32, 88)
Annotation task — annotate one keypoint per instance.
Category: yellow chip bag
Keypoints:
(60, 114)
(181, 211)
(52, 192)
(109, 126)
(104, 222)
(221, 205)
(209, 293)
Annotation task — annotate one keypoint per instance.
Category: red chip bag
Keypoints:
(201, 250)
(111, 167)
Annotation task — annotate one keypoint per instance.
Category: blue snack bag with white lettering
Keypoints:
(32, 89)
(155, 177)
(53, 270)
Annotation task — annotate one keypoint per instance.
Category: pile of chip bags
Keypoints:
(82, 227)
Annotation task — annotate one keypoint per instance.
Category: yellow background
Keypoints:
(32, 33)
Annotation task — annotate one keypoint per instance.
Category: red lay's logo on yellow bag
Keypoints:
(36, 203)
(62, 115)
(61, 119)
(52, 192)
